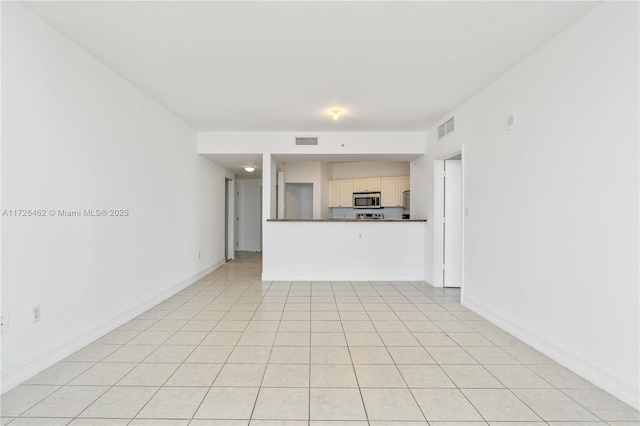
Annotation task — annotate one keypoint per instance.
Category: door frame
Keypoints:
(438, 214)
(230, 222)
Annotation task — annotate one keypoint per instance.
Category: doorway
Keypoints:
(452, 223)
(299, 204)
(448, 224)
(248, 215)
(229, 204)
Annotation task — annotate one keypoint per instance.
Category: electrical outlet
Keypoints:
(4, 324)
(35, 313)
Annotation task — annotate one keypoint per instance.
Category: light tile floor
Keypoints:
(232, 350)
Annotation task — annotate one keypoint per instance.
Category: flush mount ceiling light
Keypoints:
(335, 113)
(249, 168)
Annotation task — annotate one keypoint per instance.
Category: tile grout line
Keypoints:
(392, 294)
(396, 365)
(180, 364)
(223, 364)
(364, 406)
(255, 402)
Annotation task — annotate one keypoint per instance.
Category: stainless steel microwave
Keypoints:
(366, 200)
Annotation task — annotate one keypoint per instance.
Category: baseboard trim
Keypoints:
(607, 381)
(342, 277)
(30, 368)
(249, 249)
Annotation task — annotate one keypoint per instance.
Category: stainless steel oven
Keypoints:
(366, 200)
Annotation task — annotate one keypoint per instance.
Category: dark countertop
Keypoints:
(346, 220)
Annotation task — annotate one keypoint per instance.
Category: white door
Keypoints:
(452, 224)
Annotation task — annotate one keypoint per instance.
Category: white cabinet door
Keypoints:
(389, 192)
(373, 184)
(347, 193)
(366, 185)
(404, 184)
(335, 193)
(360, 185)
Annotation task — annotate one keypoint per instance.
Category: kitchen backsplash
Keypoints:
(348, 213)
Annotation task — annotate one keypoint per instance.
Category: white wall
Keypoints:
(362, 169)
(344, 251)
(248, 193)
(551, 249)
(77, 136)
(422, 205)
(344, 143)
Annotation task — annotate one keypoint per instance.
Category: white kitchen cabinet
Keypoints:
(404, 184)
(389, 192)
(347, 193)
(335, 193)
(390, 188)
(341, 193)
(373, 184)
(366, 185)
(359, 185)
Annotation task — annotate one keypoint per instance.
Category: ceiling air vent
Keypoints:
(306, 141)
(446, 128)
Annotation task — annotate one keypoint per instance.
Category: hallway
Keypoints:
(232, 350)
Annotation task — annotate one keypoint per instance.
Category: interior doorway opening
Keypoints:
(249, 215)
(448, 221)
(452, 223)
(299, 204)
(229, 233)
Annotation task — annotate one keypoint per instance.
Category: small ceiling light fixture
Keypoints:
(250, 168)
(336, 113)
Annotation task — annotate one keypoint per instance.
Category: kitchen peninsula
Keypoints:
(344, 250)
(346, 220)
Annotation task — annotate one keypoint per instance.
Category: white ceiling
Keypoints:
(281, 66)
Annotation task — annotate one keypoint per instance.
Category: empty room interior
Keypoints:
(320, 213)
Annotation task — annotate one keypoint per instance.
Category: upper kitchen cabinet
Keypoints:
(404, 184)
(367, 185)
(347, 193)
(389, 192)
(341, 193)
(392, 189)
